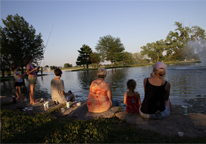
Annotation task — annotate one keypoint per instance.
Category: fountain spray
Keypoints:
(199, 47)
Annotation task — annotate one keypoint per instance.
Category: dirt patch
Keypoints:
(193, 125)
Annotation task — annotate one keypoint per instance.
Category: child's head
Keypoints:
(28, 58)
(131, 85)
(58, 72)
(159, 70)
(13, 67)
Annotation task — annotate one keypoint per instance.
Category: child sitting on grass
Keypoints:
(132, 98)
(18, 81)
(57, 89)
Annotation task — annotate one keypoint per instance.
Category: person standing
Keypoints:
(18, 81)
(31, 72)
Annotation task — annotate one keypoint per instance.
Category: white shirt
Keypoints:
(16, 77)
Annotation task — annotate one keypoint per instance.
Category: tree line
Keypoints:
(173, 48)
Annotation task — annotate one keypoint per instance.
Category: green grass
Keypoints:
(20, 127)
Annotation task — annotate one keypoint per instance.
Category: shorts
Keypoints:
(157, 115)
(31, 80)
(19, 83)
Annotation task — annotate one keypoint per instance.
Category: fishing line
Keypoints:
(45, 47)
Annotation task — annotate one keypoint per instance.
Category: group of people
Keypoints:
(155, 105)
(32, 76)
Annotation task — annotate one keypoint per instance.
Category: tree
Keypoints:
(110, 48)
(127, 58)
(154, 50)
(84, 55)
(138, 57)
(47, 66)
(95, 58)
(19, 40)
(67, 65)
(197, 33)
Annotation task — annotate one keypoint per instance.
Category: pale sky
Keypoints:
(75, 23)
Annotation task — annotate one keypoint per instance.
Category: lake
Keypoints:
(187, 81)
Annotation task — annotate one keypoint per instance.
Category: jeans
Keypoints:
(157, 115)
(115, 103)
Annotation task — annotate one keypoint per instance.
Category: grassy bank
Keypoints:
(19, 127)
(137, 65)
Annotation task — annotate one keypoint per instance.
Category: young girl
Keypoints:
(18, 81)
(31, 71)
(132, 98)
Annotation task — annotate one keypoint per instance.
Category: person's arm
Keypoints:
(125, 98)
(63, 93)
(20, 76)
(167, 88)
(138, 98)
(144, 83)
(27, 70)
(109, 92)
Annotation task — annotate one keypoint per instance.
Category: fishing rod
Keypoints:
(45, 47)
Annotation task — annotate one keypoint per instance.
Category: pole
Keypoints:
(45, 47)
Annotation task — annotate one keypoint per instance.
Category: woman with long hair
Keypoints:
(31, 72)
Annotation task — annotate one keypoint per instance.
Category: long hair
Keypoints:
(28, 58)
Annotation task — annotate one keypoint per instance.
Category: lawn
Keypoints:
(20, 127)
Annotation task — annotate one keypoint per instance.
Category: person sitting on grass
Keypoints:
(156, 103)
(57, 89)
(132, 98)
(18, 81)
(100, 95)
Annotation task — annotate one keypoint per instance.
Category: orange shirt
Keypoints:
(98, 100)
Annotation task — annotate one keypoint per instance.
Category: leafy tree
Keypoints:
(84, 55)
(127, 58)
(5, 62)
(138, 57)
(66, 65)
(154, 50)
(95, 58)
(197, 33)
(47, 66)
(53, 67)
(19, 40)
(110, 48)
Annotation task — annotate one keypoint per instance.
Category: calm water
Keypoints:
(187, 81)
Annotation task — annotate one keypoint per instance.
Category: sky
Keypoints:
(75, 23)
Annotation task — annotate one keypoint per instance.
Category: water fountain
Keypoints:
(199, 47)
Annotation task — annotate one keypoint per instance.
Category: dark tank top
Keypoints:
(154, 99)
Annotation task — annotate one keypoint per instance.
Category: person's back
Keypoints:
(57, 85)
(98, 100)
(156, 103)
(154, 96)
(132, 98)
(57, 89)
